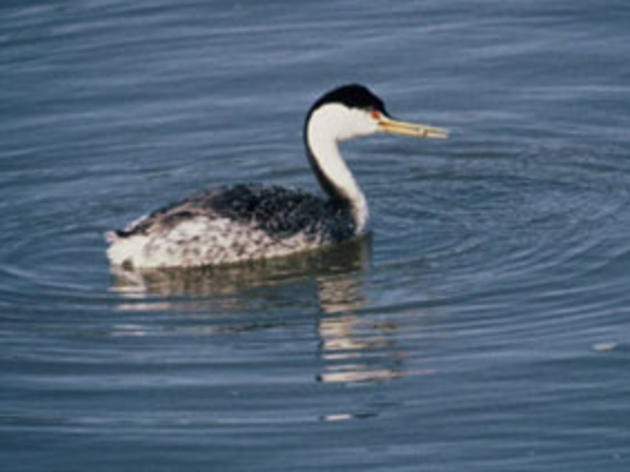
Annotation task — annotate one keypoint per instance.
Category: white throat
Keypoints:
(326, 127)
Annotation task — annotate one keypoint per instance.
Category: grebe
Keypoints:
(250, 221)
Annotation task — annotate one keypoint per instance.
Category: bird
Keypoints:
(247, 222)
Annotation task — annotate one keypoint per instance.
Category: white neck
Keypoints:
(324, 129)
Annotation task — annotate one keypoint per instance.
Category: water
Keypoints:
(484, 327)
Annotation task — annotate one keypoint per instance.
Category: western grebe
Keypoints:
(250, 221)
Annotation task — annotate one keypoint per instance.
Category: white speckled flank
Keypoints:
(204, 241)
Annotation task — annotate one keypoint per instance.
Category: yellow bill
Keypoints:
(406, 128)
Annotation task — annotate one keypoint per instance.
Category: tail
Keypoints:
(124, 249)
(111, 236)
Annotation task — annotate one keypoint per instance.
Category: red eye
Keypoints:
(376, 114)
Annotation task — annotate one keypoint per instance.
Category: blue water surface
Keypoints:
(483, 327)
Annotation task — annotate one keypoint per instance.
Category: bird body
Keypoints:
(231, 224)
(251, 221)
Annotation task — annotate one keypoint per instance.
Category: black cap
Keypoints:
(352, 96)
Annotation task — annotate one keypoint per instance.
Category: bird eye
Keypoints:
(376, 114)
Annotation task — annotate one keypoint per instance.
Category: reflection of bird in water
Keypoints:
(353, 347)
(359, 350)
(247, 222)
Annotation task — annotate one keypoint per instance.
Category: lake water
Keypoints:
(484, 326)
